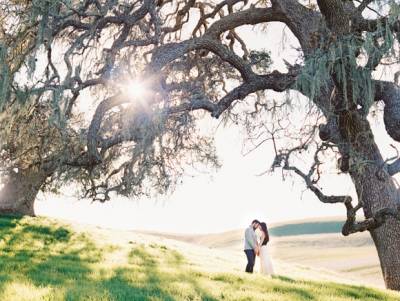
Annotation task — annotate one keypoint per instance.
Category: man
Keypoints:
(250, 245)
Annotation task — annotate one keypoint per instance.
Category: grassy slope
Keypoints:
(41, 259)
(315, 243)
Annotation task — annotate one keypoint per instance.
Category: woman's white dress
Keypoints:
(266, 267)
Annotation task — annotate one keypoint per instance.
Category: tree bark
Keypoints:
(377, 194)
(376, 190)
(19, 192)
(387, 242)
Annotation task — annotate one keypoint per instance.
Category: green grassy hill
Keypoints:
(42, 259)
(304, 228)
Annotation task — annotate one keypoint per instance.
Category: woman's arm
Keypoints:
(262, 237)
(259, 244)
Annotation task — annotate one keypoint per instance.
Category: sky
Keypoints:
(224, 200)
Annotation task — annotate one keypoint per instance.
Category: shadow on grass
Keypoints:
(41, 254)
(356, 293)
(284, 279)
(155, 280)
(47, 255)
(74, 268)
(310, 290)
(294, 292)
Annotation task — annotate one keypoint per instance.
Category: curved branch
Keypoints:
(364, 5)
(210, 40)
(389, 93)
(394, 168)
(374, 222)
(328, 199)
(363, 24)
(101, 23)
(251, 16)
(92, 136)
(302, 21)
(275, 81)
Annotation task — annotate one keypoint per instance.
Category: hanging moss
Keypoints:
(341, 58)
(4, 76)
(261, 59)
(41, 11)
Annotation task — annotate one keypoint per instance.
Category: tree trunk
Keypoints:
(387, 242)
(376, 190)
(377, 194)
(19, 192)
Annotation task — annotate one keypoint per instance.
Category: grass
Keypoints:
(41, 259)
(322, 227)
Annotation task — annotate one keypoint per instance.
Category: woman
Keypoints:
(266, 267)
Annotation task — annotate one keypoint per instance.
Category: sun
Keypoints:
(134, 89)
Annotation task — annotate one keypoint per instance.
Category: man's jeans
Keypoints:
(251, 258)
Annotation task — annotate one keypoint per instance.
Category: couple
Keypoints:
(253, 247)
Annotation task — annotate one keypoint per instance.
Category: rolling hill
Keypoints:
(232, 238)
(312, 243)
(45, 259)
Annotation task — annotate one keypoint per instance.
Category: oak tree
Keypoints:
(189, 56)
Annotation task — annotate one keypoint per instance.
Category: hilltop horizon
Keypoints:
(272, 225)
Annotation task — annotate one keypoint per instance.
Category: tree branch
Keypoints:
(394, 168)
(351, 225)
(374, 24)
(372, 223)
(331, 199)
(364, 4)
(92, 136)
(389, 93)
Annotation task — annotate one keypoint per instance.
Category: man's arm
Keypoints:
(256, 247)
(251, 238)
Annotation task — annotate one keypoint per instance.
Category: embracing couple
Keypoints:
(257, 246)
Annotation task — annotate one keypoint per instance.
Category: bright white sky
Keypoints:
(229, 199)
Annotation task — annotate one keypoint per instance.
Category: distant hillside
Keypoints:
(232, 238)
(322, 227)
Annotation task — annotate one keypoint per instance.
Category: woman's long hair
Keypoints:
(265, 230)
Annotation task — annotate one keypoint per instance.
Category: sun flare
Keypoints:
(134, 89)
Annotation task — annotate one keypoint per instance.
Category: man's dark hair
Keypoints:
(255, 221)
